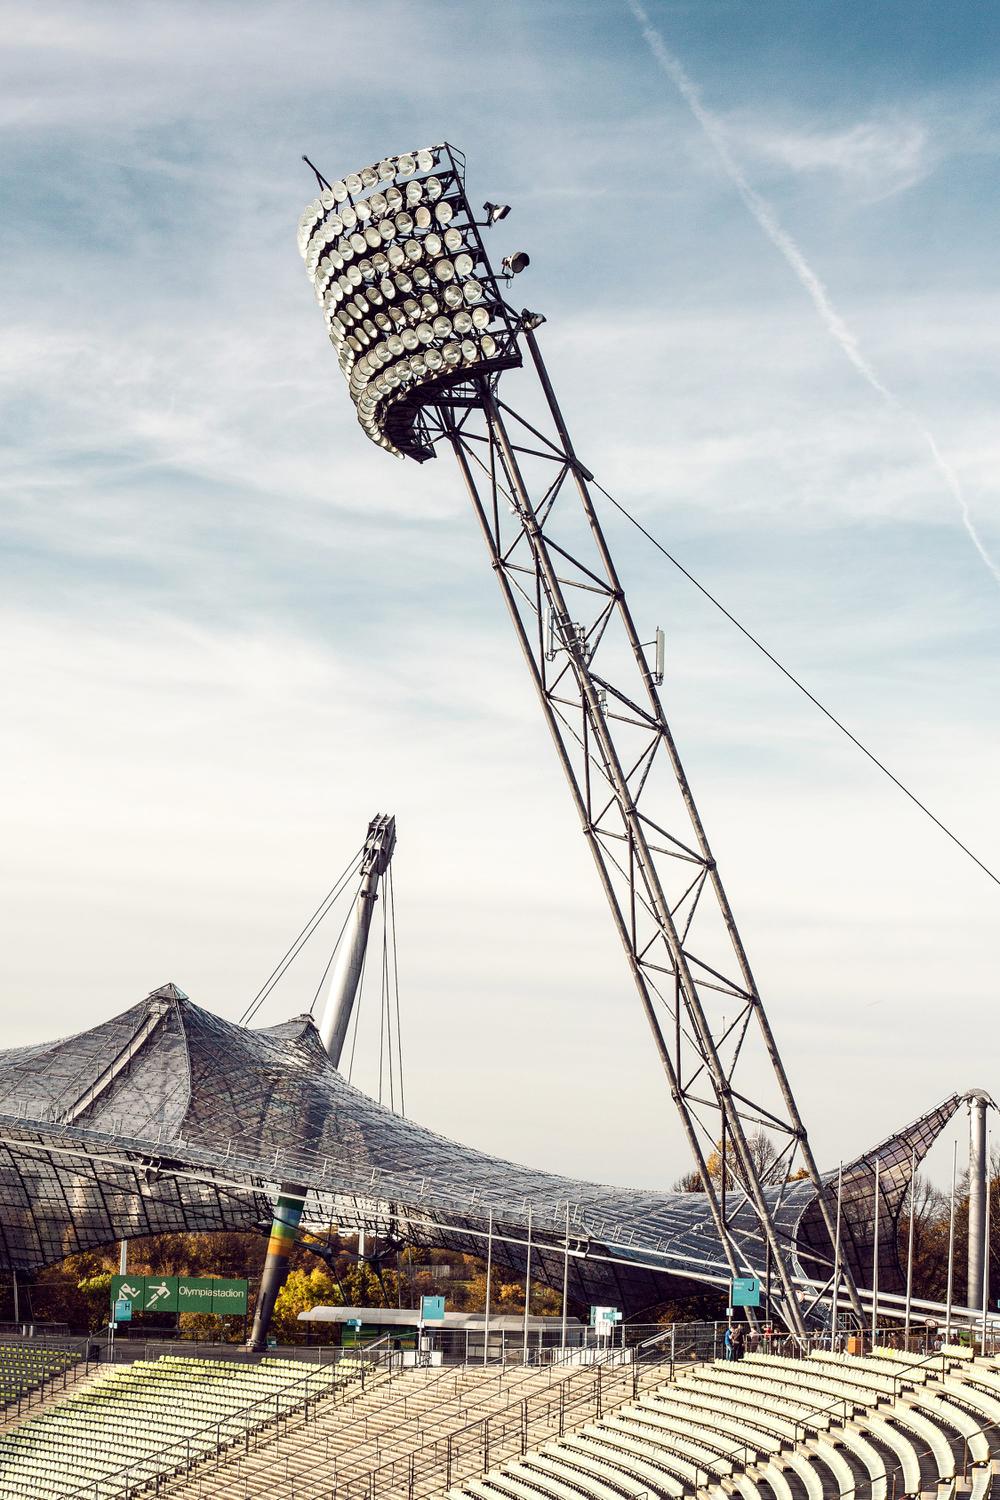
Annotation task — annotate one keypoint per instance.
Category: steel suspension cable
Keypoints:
(357, 1012)
(329, 962)
(395, 986)
(797, 683)
(332, 895)
(385, 1020)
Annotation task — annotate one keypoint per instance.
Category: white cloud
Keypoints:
(872, 158)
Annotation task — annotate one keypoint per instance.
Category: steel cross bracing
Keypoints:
(598, 692)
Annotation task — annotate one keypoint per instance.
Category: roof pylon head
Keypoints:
(168, 991)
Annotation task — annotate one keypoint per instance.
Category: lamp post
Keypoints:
(909, 1245)
(489, 1277)
(875, 1222)
(835, 1301)
(951, 1247)
(527, 1293)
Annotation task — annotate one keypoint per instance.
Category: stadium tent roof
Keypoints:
(168, 1117)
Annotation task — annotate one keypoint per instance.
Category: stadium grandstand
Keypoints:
(806, 1423)
(807, 1428)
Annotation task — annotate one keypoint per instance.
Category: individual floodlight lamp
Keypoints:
(495, 212)
(530, 321)
(373, 242)
(513, 265)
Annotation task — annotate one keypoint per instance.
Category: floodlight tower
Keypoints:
(424, 335)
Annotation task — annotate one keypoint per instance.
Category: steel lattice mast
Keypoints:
(424, 336)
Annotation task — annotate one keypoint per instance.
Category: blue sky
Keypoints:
(233, 630)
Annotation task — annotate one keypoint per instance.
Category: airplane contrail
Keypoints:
(782, 241)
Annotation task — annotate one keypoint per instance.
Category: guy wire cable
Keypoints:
(795, 681)
(333, 894)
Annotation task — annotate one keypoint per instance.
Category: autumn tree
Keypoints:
(764, 1155)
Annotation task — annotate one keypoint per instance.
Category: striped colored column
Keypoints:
(284, 1231)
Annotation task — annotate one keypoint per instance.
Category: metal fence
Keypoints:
(127, 1351)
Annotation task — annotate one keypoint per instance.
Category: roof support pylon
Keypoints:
(334, 1021)
(335, 1017)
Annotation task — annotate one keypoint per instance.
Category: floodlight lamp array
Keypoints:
(410, 300)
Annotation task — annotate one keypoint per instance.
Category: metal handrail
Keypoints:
(40, 1393)
(818, 1411)
(835, 1380)
(122, 1475)
(508, 1378)
(917, 1365)
(657, 1338)
(919, 1453)
(480, 1437)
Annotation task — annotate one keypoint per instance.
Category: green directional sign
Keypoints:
(204, 1294)
(211, 1295)
(146, 1293)
(159, 1294)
